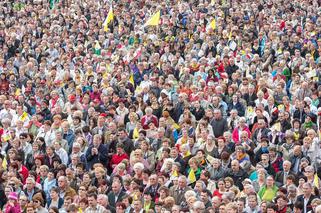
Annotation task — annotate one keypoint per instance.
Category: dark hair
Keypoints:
(55, 209)
(298, 205)
(271, 206)
(86, 129)
(55, 189)
(94, 195)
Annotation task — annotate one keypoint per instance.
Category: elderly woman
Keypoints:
(137, 156)
(239, 129)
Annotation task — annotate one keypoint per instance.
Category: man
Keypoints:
(93, 206)
(281, 176)
(63, 142)
(218, 123)
(62, 153)
(96, 153)
(237, 173)
(205, 198)
(137, 206)
(261, 132)
(116, 194)
(101, 127)
(177, 192)
(64, 188)
(295, 158)
(198, 207)
(306, 197)
(31, 189)
(124, 139)
(68, 135)
(102, 200)
(252, 204)
(205, 177)
(152, 187)
(178, 159)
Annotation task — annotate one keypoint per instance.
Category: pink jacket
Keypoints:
(13, 209)
(235, 134)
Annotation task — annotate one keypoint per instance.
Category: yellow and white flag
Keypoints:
(154, 20)
(109, 18)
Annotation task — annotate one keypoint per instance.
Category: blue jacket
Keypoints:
(101, 157)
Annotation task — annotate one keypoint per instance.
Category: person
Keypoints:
(307, 197)
(116, 194)
(268, 191)
(93, 205)
(97, 152)
(12, 205)
(177, 192)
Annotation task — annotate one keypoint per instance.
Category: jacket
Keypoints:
(101, 157)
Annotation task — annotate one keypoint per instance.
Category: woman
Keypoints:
(148, 155)
(220, 147)
(209, 146)
(55, 200)
(242, 157)
(138, 170)
(235, 104)
(163, 193)
(100, 176)
(127, 200)
(259, 183)
(38, 161)
(239, 129)
(137, 156)
(220, 188)
(167, 166)
(120, 207)
(131, 124)
(49, 183)
(30, 160)
(86, 179)
(193, 172)
(268, 191)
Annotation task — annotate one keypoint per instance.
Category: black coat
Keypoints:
(300, 198)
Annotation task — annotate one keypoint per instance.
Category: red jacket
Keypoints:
(116, 159)
(146, 120)
(24, 172)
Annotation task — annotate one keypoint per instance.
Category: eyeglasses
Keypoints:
(82, 189)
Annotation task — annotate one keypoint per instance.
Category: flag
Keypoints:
(52, 4)
(191, 176)
(18, 92)
(175, 173)
(6, 137)
(109, 18)
(316, 180)
(213, 24)
(24, 116)
(131, 79)
(154, 20)
(97, 48)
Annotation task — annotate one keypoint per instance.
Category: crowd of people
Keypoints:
(214, 109)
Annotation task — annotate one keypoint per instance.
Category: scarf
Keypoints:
(308, 125)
